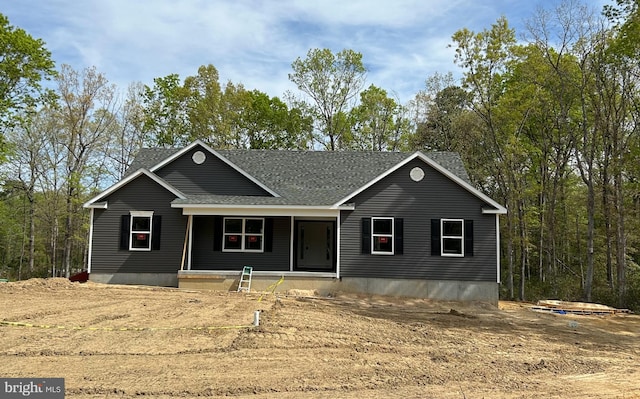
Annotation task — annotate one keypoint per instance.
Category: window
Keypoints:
(452, 237)
(243, 235)
(140, 231)
(382, 236)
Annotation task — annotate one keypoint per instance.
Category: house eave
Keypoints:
(494, 211)
(97, 205)
(263, 210)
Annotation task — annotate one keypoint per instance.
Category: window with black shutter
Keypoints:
(140, 231)
(451, 237)
(382, 236)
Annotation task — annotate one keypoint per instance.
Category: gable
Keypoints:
(135, 179)
(431, 172)
(211, 176)
(434, 194)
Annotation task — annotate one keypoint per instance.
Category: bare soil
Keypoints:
(124, 342)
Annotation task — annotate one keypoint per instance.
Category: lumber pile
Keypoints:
(577, 308)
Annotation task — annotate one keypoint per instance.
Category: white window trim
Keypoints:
(243, 234)
(443, 237)
(140, 214)
(392, 235)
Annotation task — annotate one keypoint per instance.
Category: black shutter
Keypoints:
(366, 235)
(156, 229)
(435, 237)
(125, 221)
(217, 233)
(398, 236)
(468, 238)
(268, 235)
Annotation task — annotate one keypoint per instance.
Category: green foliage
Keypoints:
(625, 16)
(177, 113)
(165, 114)
(331, 81)
(24, 63)
(270, 124)
(374, 123)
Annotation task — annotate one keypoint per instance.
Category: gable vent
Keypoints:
(198, 157)
(416, 174)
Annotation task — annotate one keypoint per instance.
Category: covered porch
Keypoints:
(298, 245)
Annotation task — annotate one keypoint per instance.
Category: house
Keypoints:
(369, 222)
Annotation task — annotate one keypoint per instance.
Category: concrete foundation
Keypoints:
(327, 284)
(155, 279)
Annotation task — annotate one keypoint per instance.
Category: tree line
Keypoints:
(547, 125)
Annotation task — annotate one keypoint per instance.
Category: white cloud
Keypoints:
(254, 42)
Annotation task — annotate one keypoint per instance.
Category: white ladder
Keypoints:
(245, 279)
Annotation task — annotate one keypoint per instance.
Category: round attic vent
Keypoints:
(198, 157)
(416, 174)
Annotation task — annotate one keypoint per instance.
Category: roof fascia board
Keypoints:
(499, 209)
(213, 152)
(346, 207)
(261, 211)
(92, 203)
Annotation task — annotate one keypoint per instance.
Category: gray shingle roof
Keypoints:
(303, 177)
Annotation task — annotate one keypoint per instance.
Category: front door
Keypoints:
(315, 245)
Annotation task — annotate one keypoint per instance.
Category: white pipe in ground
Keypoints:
(256, 318)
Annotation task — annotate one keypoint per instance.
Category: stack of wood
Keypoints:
(579, 308)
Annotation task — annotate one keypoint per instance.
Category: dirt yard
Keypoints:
(125, 342)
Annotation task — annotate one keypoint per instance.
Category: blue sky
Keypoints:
(254, 42)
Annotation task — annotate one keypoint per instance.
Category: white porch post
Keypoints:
(291, 260)
(90, 251)
(190, 227)
(338, 245)
(498, 248)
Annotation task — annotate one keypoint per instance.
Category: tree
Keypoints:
(87, 113)
(27, 143)
(129, 132)
(625, 17)
(177, 113)
(486, 57)
(374, 122)
(332, 81)
(270, 124)
(440, 128)
(620, 100)
(24, 63)
(166, 115)
(208, 117)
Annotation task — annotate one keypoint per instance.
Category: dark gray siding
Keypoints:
(141, 194)
(434, 197)
(204, 257)
(211, 177)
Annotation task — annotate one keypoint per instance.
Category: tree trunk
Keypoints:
(32, 234)
(510, 284)
(621, 262)
(68, 235)
(523, 249)
(588, 284)
(606, 210)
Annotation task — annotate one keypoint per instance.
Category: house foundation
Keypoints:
(327, 284)
(152, 279)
